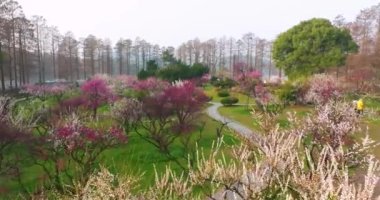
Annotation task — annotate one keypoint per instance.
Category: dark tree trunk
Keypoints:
(2, 70)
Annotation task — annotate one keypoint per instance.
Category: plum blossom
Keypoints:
(322, 89)
(43, 91)
(333, 123)
(96, 93)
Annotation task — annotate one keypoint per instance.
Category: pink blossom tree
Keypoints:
(149, 87)
(185, 100)
(322, 89)
(167, 113)
(70, 153)
(123, 83)
(248, 81)
(44, 91)
(96, 93)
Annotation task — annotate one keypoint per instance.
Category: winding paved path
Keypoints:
(240, 129)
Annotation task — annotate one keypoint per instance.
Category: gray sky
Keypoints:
(171, 22)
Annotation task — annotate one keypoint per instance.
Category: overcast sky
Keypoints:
(171, 22)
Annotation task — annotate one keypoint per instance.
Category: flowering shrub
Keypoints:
(334, 124)
(43, 91)
(322, 89)
(263, 96)
(205, 79)
(73, 148)
(149, 87)
(14, 137)
(282, 169)
(76, 136)
(170, 114)
(250, 83)
(184, 100)
(71, 105)
(96, 93)
(127, 112)
(123, 83)
(104, 77)
(150, 84)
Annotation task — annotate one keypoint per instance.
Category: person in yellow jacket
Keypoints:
(360, 106)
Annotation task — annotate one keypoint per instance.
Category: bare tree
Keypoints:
(108, 56)
(120, 45)
(67, 57)
(91, 44)
(55, 37)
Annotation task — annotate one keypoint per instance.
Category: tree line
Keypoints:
(33, 51)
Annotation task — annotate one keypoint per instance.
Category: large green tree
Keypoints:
(311, 47)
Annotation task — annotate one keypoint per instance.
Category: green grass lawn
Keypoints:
(243, 114)
(137, 157)
(212, 92)
(372, 122)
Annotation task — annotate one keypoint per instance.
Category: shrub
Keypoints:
(273, 108)
(229, 101)
(287, 93)
(322, 89)
(96, 93)
(223, 83)
(223, 93)
(181, 71)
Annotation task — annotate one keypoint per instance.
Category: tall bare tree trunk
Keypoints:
(53, 54)
(10, 64)
(70, 61)
(14, 53)
(21, 58)
(2, 70)
(84, 64)
(39, 55)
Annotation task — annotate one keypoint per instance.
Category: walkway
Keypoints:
(240, 129)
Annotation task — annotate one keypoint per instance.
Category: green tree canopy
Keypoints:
(311, 47)
(151, 70)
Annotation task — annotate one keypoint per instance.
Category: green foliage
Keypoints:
(175, 69)
(223, 82)
(198, 70)
(169, 58)
(311, 47)
(151, 66)
(293, 91)
(229, 101)
(273, 108)
(287, 93)
(151, 70)
(223, 93)
(181, 71)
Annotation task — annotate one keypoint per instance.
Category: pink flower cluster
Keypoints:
(248, 81)
(254, 74)
(127, 110)
(44, 90)
(126, 80)
(75, 135)
(334, 123)
(322, 89)
(150, 85)
(184, 100)
(262, 94)
(96, 92)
